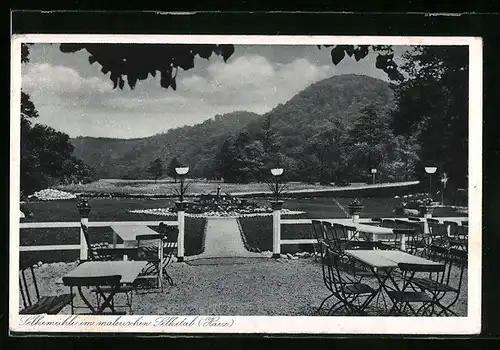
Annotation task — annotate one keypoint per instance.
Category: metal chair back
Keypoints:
(149, 247)
(317, 229)
(24, 285)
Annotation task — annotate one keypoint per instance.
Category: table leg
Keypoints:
(160, 266)
(114, 239)
(403, 242)
(382, 279)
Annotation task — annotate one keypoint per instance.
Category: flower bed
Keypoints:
(50, 194)
(412, 203)
(216, 213)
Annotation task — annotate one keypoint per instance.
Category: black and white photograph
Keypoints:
(253, 184)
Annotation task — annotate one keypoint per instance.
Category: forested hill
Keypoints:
(337, 98)
(333, 102)
(129, 158)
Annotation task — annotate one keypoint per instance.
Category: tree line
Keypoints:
(337, 154)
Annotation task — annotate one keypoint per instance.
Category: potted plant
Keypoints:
(84, 208)
(355, 207)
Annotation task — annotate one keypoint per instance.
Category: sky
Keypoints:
(74, 97)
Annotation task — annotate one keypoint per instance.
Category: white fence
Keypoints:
(82, 246)
(278, 222)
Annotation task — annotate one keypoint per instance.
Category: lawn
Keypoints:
(166, 187)
(103, 209)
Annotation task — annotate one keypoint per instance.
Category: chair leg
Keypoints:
(332, 309)
(129, 296)
(323, 303)
(167, 276)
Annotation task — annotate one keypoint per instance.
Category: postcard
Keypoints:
(182, 184)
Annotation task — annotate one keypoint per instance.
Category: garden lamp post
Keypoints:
(444, 180)
(182, 171)
(430, 170)
(374, 171)
(277, 172)
(181, 207)
(84, 209)
(276, 206)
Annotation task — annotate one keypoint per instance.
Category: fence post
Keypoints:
(84, 210)
(276, 206)
(181, 207)
(427, 211)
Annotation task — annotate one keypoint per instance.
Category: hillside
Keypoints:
(333, 101)
(116, 158)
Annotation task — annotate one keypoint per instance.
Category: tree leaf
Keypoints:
(121, 82)
(114, 78)
(70, 47)
(132, 80)
(226, 51)
(361, 52)
(165, 79)
(337, 55)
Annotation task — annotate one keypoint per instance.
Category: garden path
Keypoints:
(223, 240)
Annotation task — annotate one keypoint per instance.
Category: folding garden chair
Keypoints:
(458, 235)
(394, 242)
(326, 269)
(337, 234)
(50, 305)
(449, 281)
(438, 233)
(317, 229)
(349, 241)
(353, 296)
(318, 235)
(412, 231)
(169, 241)
(105, 288)
(150, 249)
(329, 236)
(403, 298)
(421, 241)
(104, 254)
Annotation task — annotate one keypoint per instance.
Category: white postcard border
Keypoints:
(258, 324)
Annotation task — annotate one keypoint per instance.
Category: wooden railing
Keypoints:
(82, 246)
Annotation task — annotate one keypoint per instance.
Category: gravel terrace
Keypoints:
(264, 287)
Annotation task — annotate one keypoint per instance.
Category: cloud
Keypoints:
(252, 79)
(47, 77)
